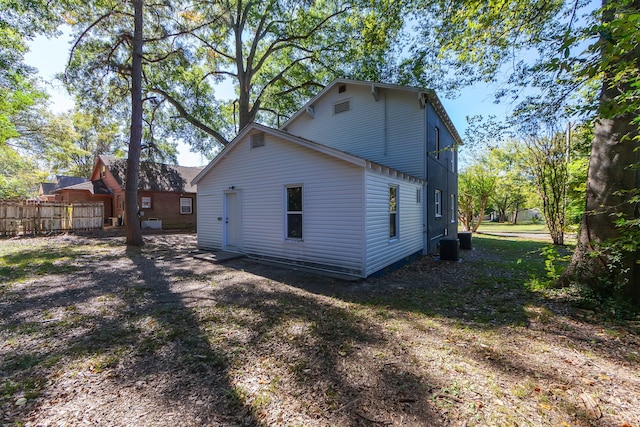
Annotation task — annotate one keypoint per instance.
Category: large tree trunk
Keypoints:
(611, 176)
(134, 234)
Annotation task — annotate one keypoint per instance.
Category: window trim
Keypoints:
(148, 205)
(287, 212)
(437, 203)
(453, 208)
(437, 141)
(343, 101)
(256, 140)
(190, 205)
(394, 214)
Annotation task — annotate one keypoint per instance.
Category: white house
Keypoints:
(361, 178)
(278, 197)
(401, 127)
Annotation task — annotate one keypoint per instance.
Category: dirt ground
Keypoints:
(92, 333)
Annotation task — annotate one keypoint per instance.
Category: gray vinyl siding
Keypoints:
(381, 250)
(441, 176)
(389, 131)
(333, 217)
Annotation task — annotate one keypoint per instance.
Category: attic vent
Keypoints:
(342, 88)
(341, 107)
(257, 140)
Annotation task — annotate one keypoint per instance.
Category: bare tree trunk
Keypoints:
(611, 176)
(134, 234)
(483, 206)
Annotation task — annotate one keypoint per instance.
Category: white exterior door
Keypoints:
(232, 222)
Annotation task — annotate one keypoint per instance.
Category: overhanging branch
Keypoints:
(183, 113)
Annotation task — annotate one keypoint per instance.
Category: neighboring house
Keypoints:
(85, 193)
(47, 190)
(528, 215)
(363, 177)
(165, 192)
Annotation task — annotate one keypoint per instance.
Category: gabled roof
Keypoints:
(87, 186)
(47, 187)
(421, 95)
(62, 181)
(154, 176)
(350, 158)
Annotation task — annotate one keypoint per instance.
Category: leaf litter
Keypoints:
(156, 337)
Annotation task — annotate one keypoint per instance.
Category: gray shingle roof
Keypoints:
(155, 176)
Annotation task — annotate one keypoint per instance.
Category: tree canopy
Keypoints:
(562, 61)
(275, 53)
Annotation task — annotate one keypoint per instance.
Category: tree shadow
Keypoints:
(116, 334)
(175, 341)
(470, 295)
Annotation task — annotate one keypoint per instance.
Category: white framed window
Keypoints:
(453, 208)
(145, 203)
(293, 216)
(418, 195)
(393, 212)
(453, 160)
(186, 205)
(438, 203)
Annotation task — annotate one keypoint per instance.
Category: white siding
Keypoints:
(332, 203)
(382, 251)
(389, 131)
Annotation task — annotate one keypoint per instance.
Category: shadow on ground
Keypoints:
(93, 333)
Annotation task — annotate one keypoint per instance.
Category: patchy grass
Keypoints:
(154, 335)
(505, 227)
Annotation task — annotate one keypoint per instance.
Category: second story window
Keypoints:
(436, 137)
(438, 203)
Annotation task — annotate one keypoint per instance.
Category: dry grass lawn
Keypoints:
(92, 333)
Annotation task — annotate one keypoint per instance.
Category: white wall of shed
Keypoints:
(333, 211)
(380, 249)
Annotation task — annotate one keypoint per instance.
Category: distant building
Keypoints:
(165, 193)
(47, 190)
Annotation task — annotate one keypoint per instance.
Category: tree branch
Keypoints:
(183, 113)
(84, 33)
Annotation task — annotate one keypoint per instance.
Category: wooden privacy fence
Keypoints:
(23, 218)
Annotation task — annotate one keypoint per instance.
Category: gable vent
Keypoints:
(257, 140)
(341, 107)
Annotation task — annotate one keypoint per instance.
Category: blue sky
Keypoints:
(50, 56)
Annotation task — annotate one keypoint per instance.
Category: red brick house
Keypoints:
(84, 193)
(166, 197)
(47, 190)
